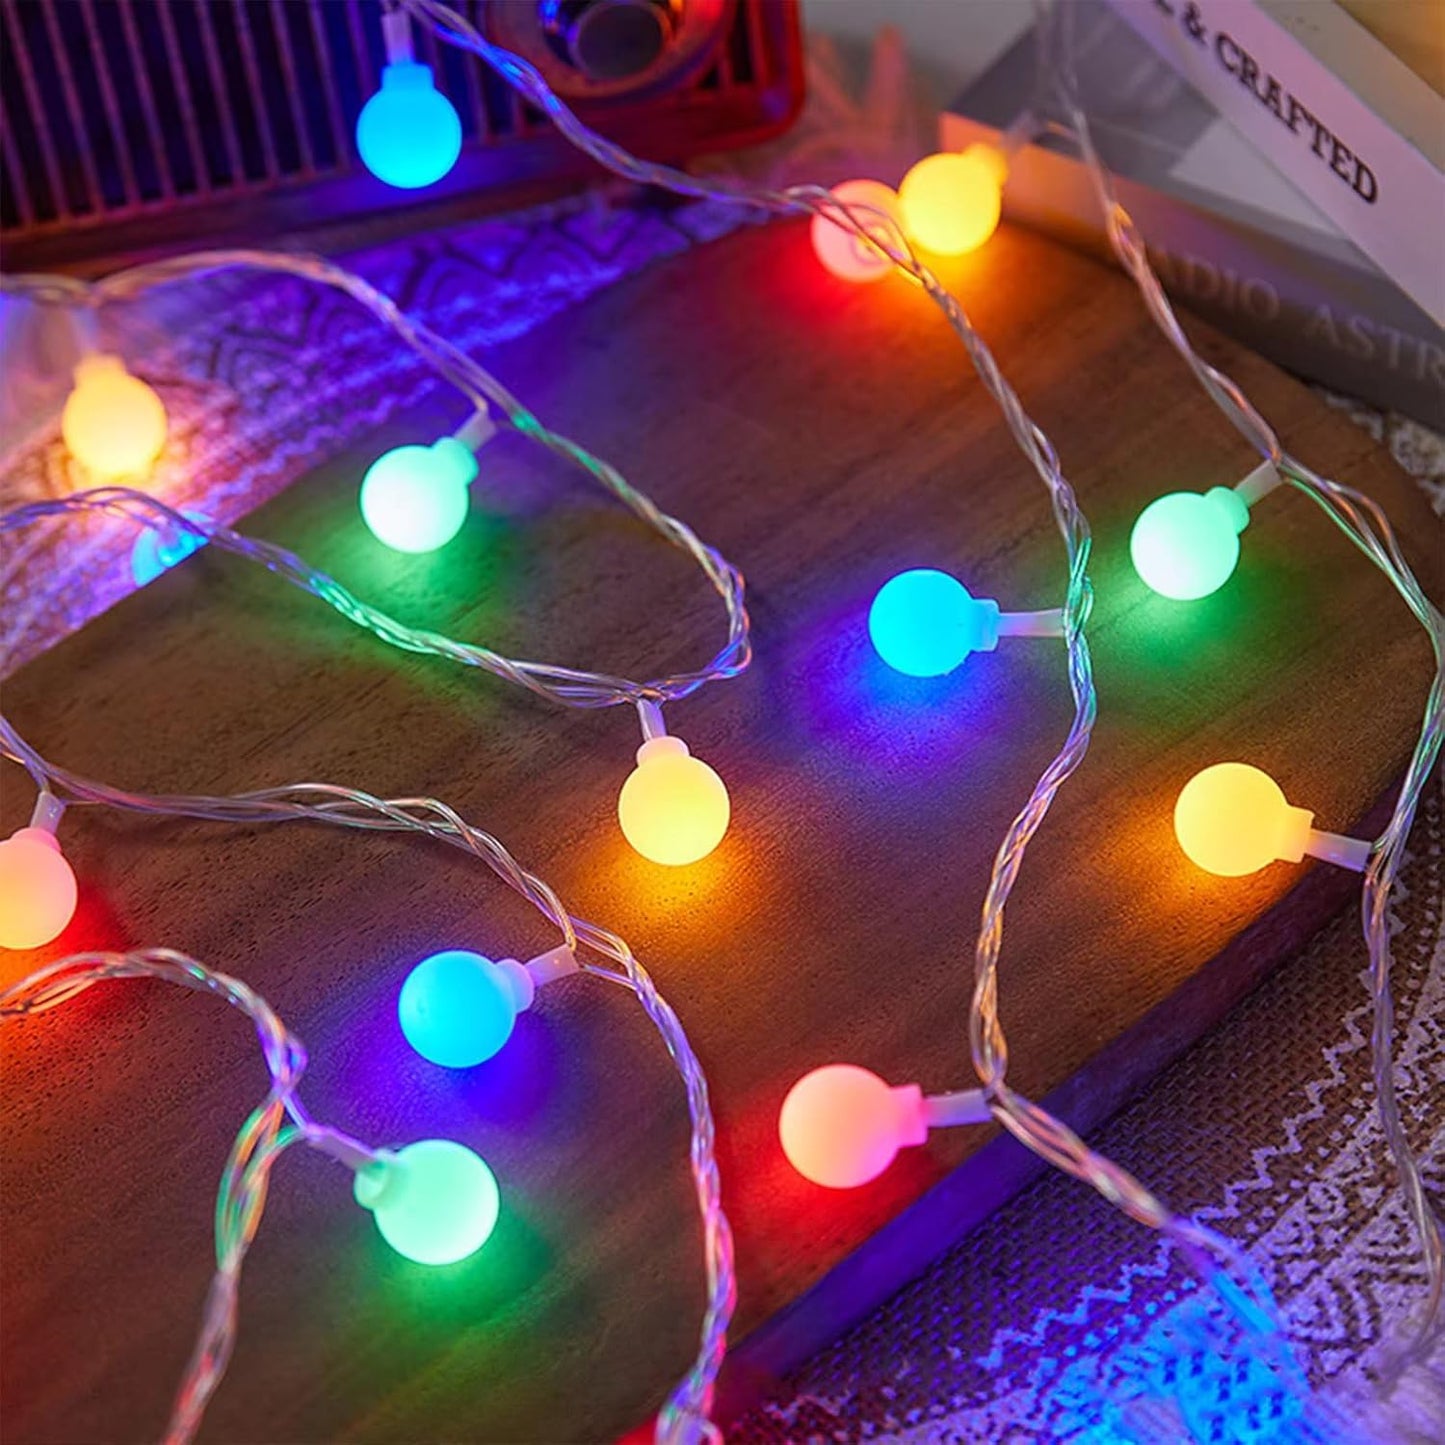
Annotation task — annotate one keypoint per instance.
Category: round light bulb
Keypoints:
(37, 889)
(113, 424)
(158, 549)
(673, 808)
(458, 1008)
(924, 622)
(951, 201)
(841, 250)
(841, 1125)
(1185, 545)
(408, 133)
(434, 1202)
(1233, 819)
(415, 499)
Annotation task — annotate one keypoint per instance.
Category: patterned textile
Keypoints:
(1058, 1319)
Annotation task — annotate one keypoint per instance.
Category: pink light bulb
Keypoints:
(842, 1125)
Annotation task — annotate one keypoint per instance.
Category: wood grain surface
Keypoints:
(824, 437)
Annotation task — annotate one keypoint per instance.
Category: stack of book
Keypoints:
(1283, 164)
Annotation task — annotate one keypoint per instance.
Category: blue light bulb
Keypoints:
(924, 623)
(408, 133)
(458, 1008)
(158, 549)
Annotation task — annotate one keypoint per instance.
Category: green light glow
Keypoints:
(415, 499)
(1186, 545)
(434, 1202)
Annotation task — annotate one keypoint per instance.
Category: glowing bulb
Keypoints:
(844, 253)
(673, 808)
(415, 499)
(1233, 819)
(841, 1125)
(37, 889)
(1185, 545)
(951, 201)
(113, 424)
(434, 1202)
(458, 1009)
(924, 622)
(408, 133)
(158, 549)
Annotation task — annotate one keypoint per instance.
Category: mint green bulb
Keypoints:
(434, 1202)
(415, 499)
(1185, 545)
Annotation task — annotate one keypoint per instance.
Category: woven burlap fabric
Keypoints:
(1059, 1319)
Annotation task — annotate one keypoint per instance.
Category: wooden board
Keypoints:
(824, 437)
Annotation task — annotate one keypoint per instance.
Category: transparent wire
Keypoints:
(569, 686)
(684, 1416)
(279, 1121)
(1365, 524)
(1034, 1126)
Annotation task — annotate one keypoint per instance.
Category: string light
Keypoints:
(113, 424)
(458, 1008)
(426, 1224)
(841, 1126)
(925, 623)
(434, 1202)
(1367, 527)
(841, 249)
(1186, 545)
(408, 133)
(1232, 819)
(884, 1126)
(673, 808)
(951, 201)
(1359, 517)
(37, 886)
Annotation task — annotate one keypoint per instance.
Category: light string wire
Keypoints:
(569, 686)
(1365, 524)
(683, 1418)
(1049, 1137)
(262, 1139)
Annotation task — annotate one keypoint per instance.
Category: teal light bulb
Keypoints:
(414, 499)
(158, 549)
(458, 1008)
(408, 133)
(434, 1202)
(1185, 545)
(924, 622)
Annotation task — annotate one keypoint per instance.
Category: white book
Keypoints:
(1354, 129)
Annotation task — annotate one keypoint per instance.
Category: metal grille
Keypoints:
(132, 125)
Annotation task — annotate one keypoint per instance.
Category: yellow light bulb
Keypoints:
(951, 201)
(113, 424)
(673, 808)
(1233, 819)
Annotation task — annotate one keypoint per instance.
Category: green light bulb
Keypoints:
(1186, 545)
(434, 1202)
(415, 499)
